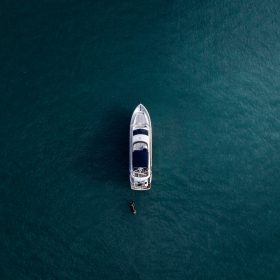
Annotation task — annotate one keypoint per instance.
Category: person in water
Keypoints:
(132, 207)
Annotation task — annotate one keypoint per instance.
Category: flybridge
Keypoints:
(140, 158)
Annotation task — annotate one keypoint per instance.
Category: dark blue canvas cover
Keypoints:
(140, 158)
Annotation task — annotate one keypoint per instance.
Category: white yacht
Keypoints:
(140, 149)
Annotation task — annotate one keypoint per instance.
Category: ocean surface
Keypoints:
(71, 74)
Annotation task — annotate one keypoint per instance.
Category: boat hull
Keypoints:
(140, 149)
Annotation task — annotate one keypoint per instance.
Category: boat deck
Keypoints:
(140, 172)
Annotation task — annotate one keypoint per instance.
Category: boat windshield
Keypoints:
(140, 131)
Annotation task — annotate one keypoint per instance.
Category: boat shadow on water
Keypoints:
(105, 154)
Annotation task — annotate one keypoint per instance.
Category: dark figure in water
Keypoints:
(132, 207)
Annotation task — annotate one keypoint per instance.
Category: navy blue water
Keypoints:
(71, 74)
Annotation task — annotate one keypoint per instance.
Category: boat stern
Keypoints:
(143, 185)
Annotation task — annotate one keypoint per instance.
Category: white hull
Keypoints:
(140, 149)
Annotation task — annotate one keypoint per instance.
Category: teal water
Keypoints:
(72, 72)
